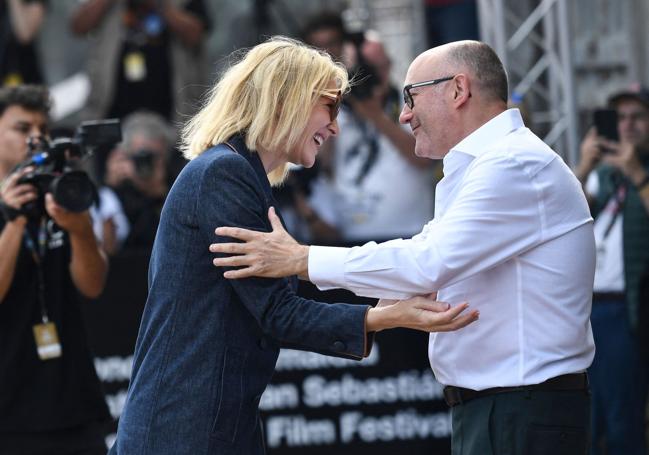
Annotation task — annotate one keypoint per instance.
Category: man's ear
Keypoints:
(461, 89)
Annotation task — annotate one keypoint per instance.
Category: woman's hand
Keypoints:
(419, 313)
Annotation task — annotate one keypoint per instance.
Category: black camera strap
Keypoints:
(38, 249)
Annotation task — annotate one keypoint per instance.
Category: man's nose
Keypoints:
(406, 114)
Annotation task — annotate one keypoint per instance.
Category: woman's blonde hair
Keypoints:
(268, 96)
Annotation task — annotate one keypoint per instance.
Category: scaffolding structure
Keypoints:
(532, 38)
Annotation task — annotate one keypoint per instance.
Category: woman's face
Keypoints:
(318, 129)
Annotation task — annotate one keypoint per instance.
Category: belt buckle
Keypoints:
(453, 396)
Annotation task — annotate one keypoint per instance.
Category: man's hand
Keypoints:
(88, 265)
(624, 157)
(419, 313)
(15, 195)
(119, 168)
(591, 153)
(73, 223)
(265, 254)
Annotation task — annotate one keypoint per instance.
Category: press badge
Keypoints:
(134, 66)
(47, 341)
(12, 79)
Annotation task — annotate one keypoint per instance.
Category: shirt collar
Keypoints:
(496, 128)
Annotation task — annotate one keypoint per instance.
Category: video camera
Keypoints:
(55, 169)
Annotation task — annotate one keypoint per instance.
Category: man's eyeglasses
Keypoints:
(335, 107)
(407, 96)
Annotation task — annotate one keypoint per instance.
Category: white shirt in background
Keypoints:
(609, 273)
(109, 208)
(392, 198)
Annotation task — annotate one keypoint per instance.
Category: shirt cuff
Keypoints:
(327, 266)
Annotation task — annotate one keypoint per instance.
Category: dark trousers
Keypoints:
(530, 422)
(617, 380)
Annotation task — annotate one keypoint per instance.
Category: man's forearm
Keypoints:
(10, 240)
(89, 15)
(26, 19)
(89, 265)
(186, 26)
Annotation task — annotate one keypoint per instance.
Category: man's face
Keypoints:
(430, 119)
(156, 165)
(633, 122)
(17, 125)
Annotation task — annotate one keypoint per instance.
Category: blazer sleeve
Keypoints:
(230, 194)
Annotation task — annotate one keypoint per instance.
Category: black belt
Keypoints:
(609, 296)
(459, 395)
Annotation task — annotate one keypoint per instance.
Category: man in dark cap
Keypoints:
(615, 176)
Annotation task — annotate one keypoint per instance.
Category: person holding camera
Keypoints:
(372, 148)
(614, 172)
(50, 397)
(144, 54)
(138, 172)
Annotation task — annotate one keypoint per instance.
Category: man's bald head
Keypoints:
(477, 59)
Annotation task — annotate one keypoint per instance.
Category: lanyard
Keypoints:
(619, 196)
(38, 250)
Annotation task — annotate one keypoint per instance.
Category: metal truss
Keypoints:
(532, 38)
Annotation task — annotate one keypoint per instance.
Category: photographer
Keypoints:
(615, 174)
(50, 396)
(372, 149)
(138, 171)
(143, 54)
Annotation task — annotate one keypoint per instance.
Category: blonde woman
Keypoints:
(207, 346)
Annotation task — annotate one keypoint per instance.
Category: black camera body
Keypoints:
(144, 163)
(364, 79)
(54, 167)
(363, 75)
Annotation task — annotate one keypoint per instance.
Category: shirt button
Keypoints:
(262, 343)
(339, 346)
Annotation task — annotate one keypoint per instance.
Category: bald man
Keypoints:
(512, 235)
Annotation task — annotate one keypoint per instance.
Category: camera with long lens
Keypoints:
(56, 170)
(362, 74)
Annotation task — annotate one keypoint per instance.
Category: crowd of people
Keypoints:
(505, 223)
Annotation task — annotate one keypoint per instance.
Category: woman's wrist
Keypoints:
(381, 319)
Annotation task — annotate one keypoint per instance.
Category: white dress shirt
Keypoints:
(513, 236)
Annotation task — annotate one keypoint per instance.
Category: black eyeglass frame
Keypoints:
(334, 109)
(407, 96)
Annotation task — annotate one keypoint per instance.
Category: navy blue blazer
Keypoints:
(207, 346)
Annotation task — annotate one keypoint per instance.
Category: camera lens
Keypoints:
(74, 191)
(143, 161)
